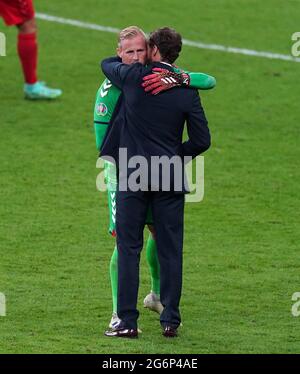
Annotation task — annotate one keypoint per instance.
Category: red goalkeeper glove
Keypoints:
(163, 79)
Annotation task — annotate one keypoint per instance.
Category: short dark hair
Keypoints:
(168, 42)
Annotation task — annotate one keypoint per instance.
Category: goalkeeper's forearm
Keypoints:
(201, 81)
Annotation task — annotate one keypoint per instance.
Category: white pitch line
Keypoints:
(190, 43)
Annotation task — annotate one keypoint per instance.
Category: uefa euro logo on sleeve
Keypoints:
(2, 45)
(2, 305)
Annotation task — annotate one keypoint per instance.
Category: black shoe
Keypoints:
(169, 332)
(122, 332)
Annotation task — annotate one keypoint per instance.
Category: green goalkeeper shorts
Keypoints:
(110, 175)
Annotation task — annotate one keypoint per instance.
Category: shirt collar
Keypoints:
(166, 63)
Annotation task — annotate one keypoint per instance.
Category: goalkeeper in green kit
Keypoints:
(132, 48)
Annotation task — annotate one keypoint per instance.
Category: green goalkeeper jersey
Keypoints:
(106, 101)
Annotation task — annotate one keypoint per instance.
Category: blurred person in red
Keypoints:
(20, 13)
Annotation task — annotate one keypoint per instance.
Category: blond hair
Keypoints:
(130, 32)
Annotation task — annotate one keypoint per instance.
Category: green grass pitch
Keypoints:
(241, 253)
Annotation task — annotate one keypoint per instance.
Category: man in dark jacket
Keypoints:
(149, 130)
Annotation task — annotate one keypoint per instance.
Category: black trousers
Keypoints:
(167, 210)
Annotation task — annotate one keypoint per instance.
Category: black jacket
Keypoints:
(149, 125)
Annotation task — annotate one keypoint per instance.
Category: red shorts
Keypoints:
(16, 12)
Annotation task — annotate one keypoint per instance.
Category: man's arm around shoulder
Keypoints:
(117, 72)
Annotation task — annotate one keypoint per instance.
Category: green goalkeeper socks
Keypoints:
(113, 270)
(152, 259)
